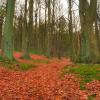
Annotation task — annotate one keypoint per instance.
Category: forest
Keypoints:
(49, 49)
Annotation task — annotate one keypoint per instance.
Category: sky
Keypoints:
(74, 8)
(64, 6)
(63, 3)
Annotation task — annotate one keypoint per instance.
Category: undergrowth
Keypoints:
(84, 72)
(16, 65)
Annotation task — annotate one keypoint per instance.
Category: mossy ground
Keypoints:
(84, 73)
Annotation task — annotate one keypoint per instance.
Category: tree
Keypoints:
(72, 49)
(1, 23)
(49, 28)
(89, 51)
(28, 29)
(97, 32)
(30, 23)
(8, 31)
(25, 33)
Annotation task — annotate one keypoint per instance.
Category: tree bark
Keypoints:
(1, 24)
(8, 31)
(72, 49)
(49, 28)
(89, 50)
(25, 34)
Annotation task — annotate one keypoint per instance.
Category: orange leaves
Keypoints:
(93, 88)
(42, 83)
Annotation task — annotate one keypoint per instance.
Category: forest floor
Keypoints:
(41, 78)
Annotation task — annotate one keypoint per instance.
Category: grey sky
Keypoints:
(64, 6)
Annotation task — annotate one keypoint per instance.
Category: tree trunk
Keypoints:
(49, 28)
(97, 33)
(25, 34)
(28, 29)
(30, 24)
(8, 31)
(1, 24)
(89, 50)
(72, 49)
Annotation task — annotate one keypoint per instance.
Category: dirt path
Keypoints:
(41, 83)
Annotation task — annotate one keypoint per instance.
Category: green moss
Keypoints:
(82, 85)
(65, 71)
(24, 66)
(16, 65)
(84, 72)
(6, 61)
(25, 57)
(91, 97)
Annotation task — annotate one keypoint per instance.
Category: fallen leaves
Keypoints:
(93, 88)
(43, 83)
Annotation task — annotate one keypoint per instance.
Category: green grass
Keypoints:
(91, 97)
(6, 61)
(84, 72)
(25, 67)
(16, 65)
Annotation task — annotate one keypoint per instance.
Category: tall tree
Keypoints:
(1, 25)
(53, 25)
(30, 23)
(89, 50)
(97, 32)
(72, 49)
(28, 28)
(25, 33)
(8, 31)
(49, 28)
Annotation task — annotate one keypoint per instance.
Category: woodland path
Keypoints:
(40, 83)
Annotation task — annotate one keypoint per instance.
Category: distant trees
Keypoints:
(39, 26)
